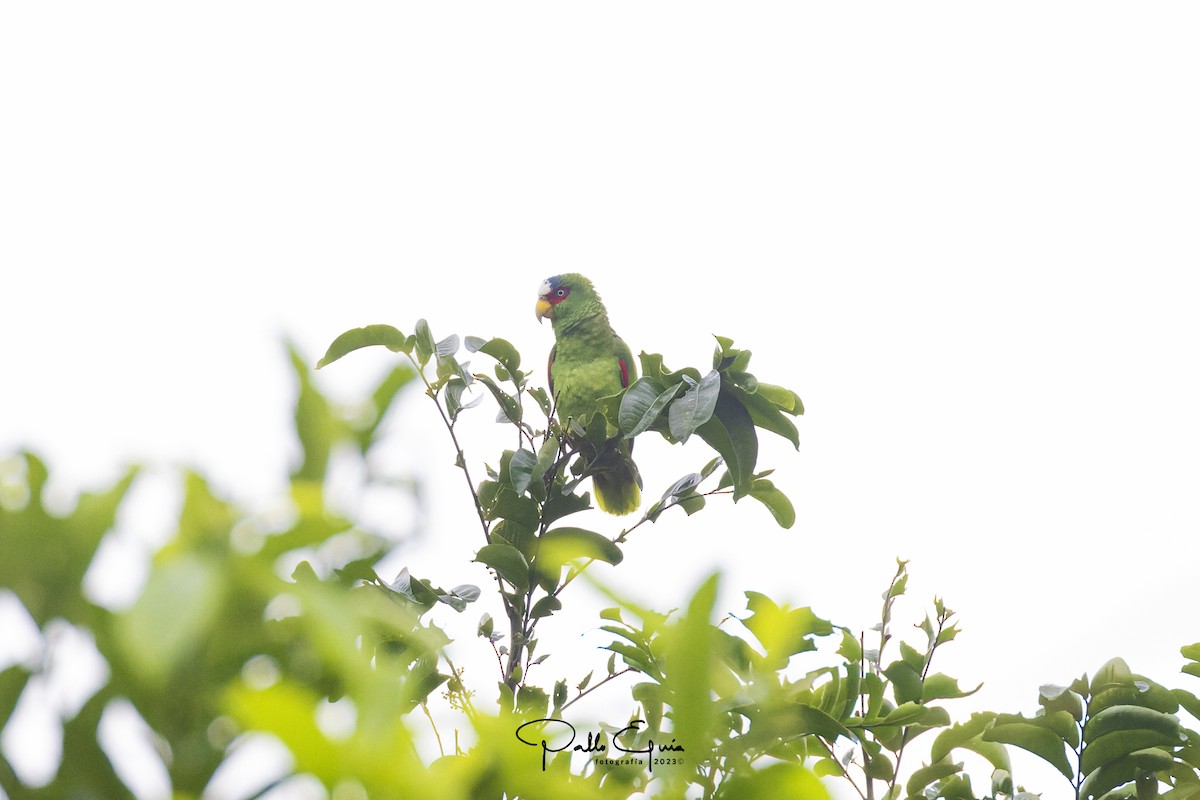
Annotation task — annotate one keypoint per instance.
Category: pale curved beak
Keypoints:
(543, 309)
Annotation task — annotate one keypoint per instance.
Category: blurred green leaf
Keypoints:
(316, 425)
(690, 652)
(381, 401)
(173, 617)
(791, 781)
(783, 632)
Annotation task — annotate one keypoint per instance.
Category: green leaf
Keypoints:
(803, 720)
(956, 787)
(545, 607)
(510, 409)
(414, 589)
(447, 347)
(880, 767)
(542, 398)
(548, 453)
(767, 415)
(909, 713)
(851, 647)
(633, 657)
(532, 701)
(1040, 741)
(784, 399)
(562, 505)
(958, 735)
(368, 336)
(1130, 718)
(730, 432)
(425, 345)
(927, 775)
(1101, 781)
(942, 687)
(508, 563)
(906, 681)
(782, 631)
(560, 545)
(776, 502)
(499, 349)
(1188, 700)
(516, 508)
(521, 469)
(1115, 672)
(1061, 698)
(641, 405)
(1119, 744)
(695, 407)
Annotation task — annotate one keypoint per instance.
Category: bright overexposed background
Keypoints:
(967, 235)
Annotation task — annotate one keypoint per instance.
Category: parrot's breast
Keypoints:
(588, 366)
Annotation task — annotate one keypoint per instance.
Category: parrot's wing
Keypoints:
(550, 369)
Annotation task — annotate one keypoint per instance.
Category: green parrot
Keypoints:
(589, 361)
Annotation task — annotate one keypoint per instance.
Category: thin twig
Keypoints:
(594, 687)
(432, 724)
(845, 774)
(461, 460)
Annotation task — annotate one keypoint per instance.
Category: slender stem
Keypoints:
(933, 645)
(829, 749)
(432, 724)
(594, 687)
(461, 460)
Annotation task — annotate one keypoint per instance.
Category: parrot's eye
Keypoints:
(561, 293)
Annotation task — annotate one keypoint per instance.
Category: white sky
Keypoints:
(967, 236)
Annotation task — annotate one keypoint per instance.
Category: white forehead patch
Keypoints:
(544, 289)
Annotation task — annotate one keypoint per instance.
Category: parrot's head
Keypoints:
(565, 299)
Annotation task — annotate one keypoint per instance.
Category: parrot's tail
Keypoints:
(618, 485)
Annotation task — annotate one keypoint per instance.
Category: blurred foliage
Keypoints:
(259, 624)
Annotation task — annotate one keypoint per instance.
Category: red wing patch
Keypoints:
(550, 369)
(624, 373)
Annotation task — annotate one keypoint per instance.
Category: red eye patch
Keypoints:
(556, 296)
